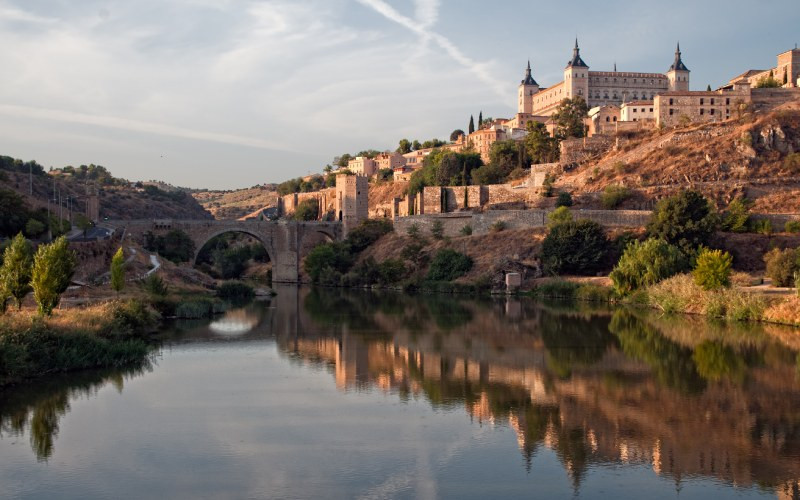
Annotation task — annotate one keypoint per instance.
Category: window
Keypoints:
(712, 111)
(727, 101)
(702, 111)
(670, 111)
(670, 103)
(608, 119)
(615, 118)
(712, 101)
(634, 110)
(651, 110)
(702, 101)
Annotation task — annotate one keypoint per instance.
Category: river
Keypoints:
(357, 394)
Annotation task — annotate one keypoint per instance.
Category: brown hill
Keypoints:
(237, 203)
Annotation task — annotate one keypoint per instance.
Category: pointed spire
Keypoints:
(528, 78)
(678, 65)
(576, 57)
(615, 66)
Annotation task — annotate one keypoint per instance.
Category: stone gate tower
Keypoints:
(92, 202)
(352, 196)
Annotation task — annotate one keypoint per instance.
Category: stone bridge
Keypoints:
(286, 242)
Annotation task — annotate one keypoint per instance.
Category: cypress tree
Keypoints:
(118, 271)
(15, 273)
(471, 124)
(480, 120)
(708, 89)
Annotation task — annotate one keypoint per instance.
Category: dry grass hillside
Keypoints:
(756, 156)
(116, 202)
(238, 203)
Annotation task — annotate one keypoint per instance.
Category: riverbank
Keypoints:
(112, 334)
(680, 294)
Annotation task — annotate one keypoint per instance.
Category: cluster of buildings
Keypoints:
(618, 101)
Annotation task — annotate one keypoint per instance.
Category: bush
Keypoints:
(307, 210)
(614, 196)
(712, 269)
(34, 228)
(437, 230)
(448, 265)
(498, 226)
(466, 230)
(413, 230)
(792, 162)
(781, 266)
(155, 286)
(175, 246)
(578, 247)
(792, 226)
(556, 288)
(559, 216)
(326, 258)
(646, 263)
(235, 290)
(195, 309)
(564, 199)
(737, 217)
(761, 226)
(367, 233)
(391, 271)
(685, 220)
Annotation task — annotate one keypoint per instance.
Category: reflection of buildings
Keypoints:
(588, 408)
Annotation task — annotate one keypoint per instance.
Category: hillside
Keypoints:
(118, 198)
(237, 203)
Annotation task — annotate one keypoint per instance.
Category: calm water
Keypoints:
(331, 394)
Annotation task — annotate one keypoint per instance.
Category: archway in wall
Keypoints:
(235, 255)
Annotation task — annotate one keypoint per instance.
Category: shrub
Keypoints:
(155, 286)
(53, 266)
(792, 226)
(448, 265)
(498, 226)
(307, 210)
(781, 266)
(792, 162)
(761, 226)
(559, 216)
(712, 269)
(466, 230)
(34, 228)
(175, 246)
(564, 199)
(437, 230)
(413, 252)
(578, 247)
(557, 288)
(335, 256)
(646, 263)
(391, 271)
(235, 290)
(15, 272)
(413, 230)
(613, 196)
(367, 233)
(736, 218)
(686, 220)
(195, 309)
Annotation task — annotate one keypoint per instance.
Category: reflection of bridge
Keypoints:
(286, 243)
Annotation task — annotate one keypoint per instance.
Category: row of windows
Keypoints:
(625, 80)
(644, 110)
(711, 111)
(615, 95)
(703, 101)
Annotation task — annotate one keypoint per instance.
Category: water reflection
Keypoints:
(594, 387)
(682, 396)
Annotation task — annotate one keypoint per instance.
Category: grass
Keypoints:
(563, 289)
(105, 335)
(680, 294)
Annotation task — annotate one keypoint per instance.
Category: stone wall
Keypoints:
(580, 150)
(326, 199)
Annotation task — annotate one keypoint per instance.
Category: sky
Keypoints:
(227, 94)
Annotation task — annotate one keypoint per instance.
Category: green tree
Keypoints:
(53, 266)
(712, 269)
(540, 147)
(83, 223)
(471, 125)
(480, 120)
(15, 273)
(118, 271)
(416, 146)
(768, 82)
(614, 195)
(708, 88)
(577, 247)
(34, 228)
(645, 263)
(14, 213)
(686, 220)
(507, 156)
(448, 265)
(782, 265)
(736, 217)
(569, 118)
(307, 210)
(485, 175)
(437, 230)
(455, 134)
(559, 216)
(404, 147)
(564, 199)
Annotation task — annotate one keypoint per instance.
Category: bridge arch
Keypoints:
(201, 242)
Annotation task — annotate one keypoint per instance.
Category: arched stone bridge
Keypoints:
(286, 242)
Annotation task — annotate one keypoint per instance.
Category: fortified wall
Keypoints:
(326, 199)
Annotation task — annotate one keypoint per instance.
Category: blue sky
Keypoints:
(232, 93)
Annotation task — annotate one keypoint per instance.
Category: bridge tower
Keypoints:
(352, 194)
(92, 202)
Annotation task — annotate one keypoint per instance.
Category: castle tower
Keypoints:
(352, 192)
(678, 73)
(576, 76)
(527, 88)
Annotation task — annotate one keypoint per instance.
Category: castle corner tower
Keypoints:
(527, 88)
(678, 73)
(576, 76)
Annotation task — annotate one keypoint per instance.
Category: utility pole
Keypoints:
(30, 178)
(49, 222)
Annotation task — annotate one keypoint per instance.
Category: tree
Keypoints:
(307, 210)
(712, 270)
(471, 125)
(448, 265)
(575, 247)
(540, 147)
(708, 88)
(15, 273)
(569, 118)
(455, 134)
(14, 213)
(646, 263)
(404, 147)
(34, 228)
(480, 120)
(737, 216)
(53, 266)
(560, 215)
(83, 223)
(768, 82)
(343, 160)
(506, 156)
(416, 146)
(118, 271)
(614, 195)
(485, 175)
(686, 220)
(564, 199)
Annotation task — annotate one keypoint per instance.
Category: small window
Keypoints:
(651, 110)
(702, 101)
(634, 110)
(712, 111)
(615, 118)
(712, 101)
(608, 119)
(670, 112)
(702, 111)
(727, 101)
